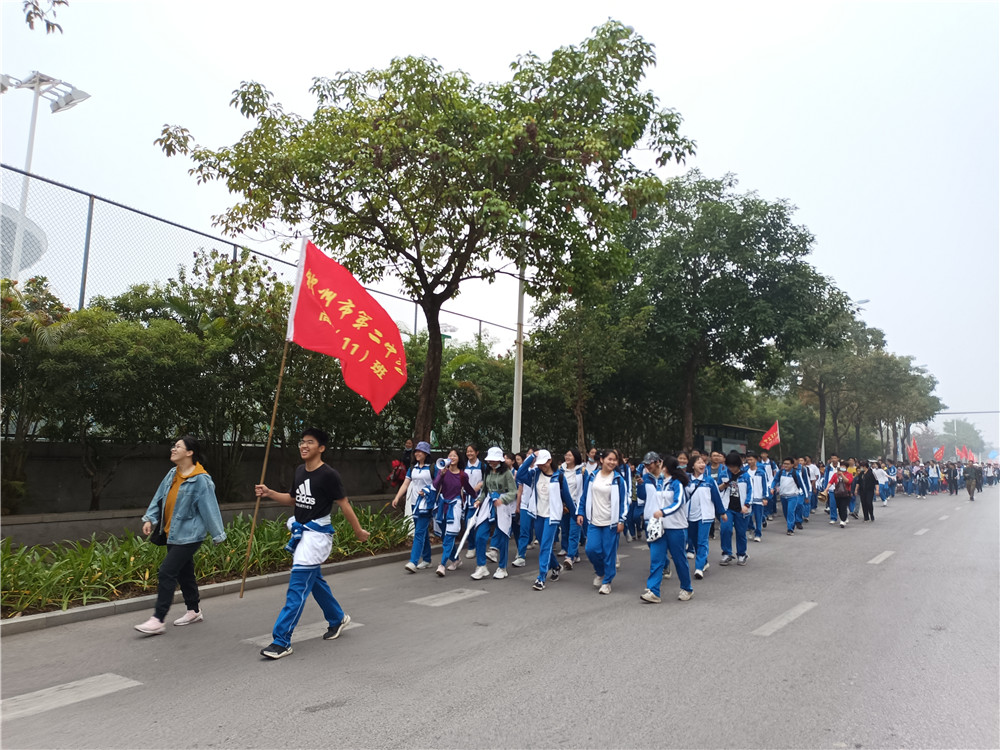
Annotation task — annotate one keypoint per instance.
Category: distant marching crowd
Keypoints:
(673, 503)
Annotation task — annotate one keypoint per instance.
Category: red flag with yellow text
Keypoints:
(771, 438)
(333, 314)
(939, 454)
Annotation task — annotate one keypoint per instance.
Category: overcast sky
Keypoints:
(879, 121)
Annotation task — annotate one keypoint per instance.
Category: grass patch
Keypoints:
(51, 577)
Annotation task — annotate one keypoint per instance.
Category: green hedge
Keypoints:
(44, 578)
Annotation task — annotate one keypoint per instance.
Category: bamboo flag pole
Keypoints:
(263, 471)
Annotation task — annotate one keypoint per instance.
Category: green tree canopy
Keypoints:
(432, 178)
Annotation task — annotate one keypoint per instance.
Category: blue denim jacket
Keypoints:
(196, 511)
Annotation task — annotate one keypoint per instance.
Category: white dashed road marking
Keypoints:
(881, 558)
(921, 532)
(61, 696)
(943, 518)
(447, 597)
(769, 628)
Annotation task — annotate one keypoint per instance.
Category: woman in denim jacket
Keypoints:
(190, 511)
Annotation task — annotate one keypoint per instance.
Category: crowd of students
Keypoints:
(677, 504)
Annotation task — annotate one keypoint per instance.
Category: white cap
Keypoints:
(494, 454)
(542, 456)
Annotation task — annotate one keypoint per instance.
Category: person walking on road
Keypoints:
(420, 496)
(500, 491)
(451, 482)
(662, 487)
(316, 487)
(840, 487)
(604, 507)
(867, 484)
(185, 509)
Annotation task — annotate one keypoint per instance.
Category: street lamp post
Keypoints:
(62, 96)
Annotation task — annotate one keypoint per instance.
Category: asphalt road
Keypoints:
(822, 641)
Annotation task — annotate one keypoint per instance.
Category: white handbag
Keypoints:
(654, 529)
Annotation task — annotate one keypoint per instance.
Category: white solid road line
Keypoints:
(61, 696)
(921, 532)
(881, 558)
(446, 597)
(302, 633)
(769, 628)
(943, 518)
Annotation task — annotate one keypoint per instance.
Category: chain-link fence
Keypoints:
(88, 246)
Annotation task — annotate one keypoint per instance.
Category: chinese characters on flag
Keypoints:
(332, 314)
(771, 438)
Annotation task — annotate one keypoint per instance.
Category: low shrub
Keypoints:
(44, 578)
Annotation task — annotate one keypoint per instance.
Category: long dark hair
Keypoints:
(192, 444)
(672, 466)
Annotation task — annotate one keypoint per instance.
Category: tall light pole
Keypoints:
(62, 96)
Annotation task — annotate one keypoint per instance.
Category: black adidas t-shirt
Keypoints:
(315, 492)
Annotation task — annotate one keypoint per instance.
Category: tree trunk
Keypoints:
(690, 374)
(895, 440)
(580, 438)
(427, 399)
(857, 440)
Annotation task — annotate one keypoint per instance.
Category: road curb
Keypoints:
(44, 620)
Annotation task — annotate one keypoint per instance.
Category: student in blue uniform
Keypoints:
(790, 489)
(759, 490)
(704, 504)
(569, 531)
(499, 492)
(736, 493)
(316, 488)
(474, 470)
(420, 501)
(451, 482)
(550, 493)
(603, 508)
(666, 504)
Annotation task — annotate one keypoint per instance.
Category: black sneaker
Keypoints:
(554, 574)
(334, 631)
(275, 651)
(539, 586)
(798, 526)
(789, 533)
(726, 559)
(805, 520)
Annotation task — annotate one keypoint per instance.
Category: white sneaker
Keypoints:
(699, 574)
(440, 571)
(667, 573)
(454, 564)
(518, 562)
(842, 524)
(152, 626)
(690, 555)
(423, 565)
(649, 596)
(501, 573)
(469, 554)
(605, 589)
(410, 567)
(493, 554)
(534, 543)
(480, 573)
(833, 522)
(685, 595)
(568, 563)
(756, 538)
(189, 618)
(561, 553)
(598, 580)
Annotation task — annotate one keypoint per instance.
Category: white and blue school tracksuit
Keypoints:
(770, 469)
(636, 507)
(735, 519)
(602, 541)
(791, 490)
(569, 529)
(422, 498)
(311, 544)
(704, 503)
(550, 490)
(802, 509)
(526, 515)
(667, 496)
(824, 483)
(475, 474)
(501, 518)
(758, 495)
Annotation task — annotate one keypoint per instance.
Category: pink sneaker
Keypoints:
(152, 626)
(189, 618)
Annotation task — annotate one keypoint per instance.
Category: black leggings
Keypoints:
(177, 568)
(842, 504)
(866, 505)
